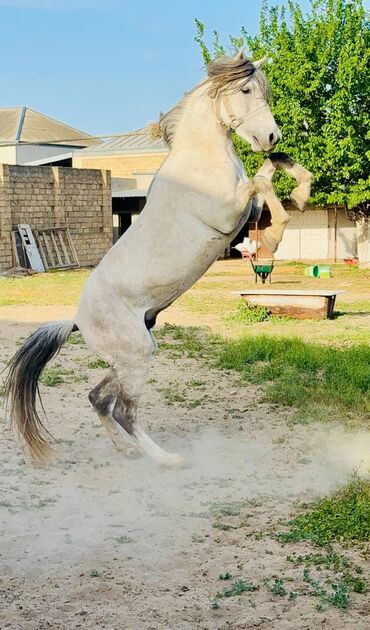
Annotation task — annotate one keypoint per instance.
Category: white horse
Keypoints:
(199, 200)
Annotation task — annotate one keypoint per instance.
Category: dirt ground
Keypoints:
(98, 541)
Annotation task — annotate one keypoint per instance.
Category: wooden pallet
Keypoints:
(56, 248)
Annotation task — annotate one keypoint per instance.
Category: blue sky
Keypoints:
(108, 66)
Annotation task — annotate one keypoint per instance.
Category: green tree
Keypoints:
(320, 79)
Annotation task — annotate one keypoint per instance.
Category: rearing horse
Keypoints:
(198, 201)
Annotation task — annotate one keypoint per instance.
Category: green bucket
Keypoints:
(318, 271)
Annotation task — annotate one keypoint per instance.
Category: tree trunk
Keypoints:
(363, 242)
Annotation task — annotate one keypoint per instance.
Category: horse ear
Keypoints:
(258, 64)
(240, 54)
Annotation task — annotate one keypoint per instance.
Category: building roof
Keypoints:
(23, 124)
(136, 192)
(138, 141)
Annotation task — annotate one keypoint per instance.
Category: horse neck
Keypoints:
(200, 135)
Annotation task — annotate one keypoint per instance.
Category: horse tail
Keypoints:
(21, 386)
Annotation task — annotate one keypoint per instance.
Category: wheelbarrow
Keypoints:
(262, 268)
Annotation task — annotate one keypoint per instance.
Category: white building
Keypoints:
(28, 137)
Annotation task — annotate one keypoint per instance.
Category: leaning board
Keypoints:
(298, 304)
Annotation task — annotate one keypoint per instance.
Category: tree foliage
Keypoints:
(320, 78)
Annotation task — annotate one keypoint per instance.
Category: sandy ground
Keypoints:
(98, 541)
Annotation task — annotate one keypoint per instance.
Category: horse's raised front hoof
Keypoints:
(298, 199)
(172, 460)
(270, 241)
(131, 452)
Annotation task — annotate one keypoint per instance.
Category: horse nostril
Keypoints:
(272, 139)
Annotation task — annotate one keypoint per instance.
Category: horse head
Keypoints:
(241, 95)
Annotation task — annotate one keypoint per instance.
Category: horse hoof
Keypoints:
(270, 241)
(172, 460)
(133, 453)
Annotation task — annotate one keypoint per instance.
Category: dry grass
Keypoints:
(212, 300)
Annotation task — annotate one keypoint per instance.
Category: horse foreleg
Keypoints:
(279, 217)
(303, 177)
(273, 234)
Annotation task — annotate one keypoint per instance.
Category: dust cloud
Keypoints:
(97, 510)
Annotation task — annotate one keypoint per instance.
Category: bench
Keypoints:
(298, 304)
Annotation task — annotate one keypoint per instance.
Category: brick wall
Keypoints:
(121, 165)
(56, 196)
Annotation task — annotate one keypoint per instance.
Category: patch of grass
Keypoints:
(237, 588)
(196, 402)
(95, 573)
(191, 341)
(338, 596)
(225, 527)
(336, 564)
(344, 517)
(95, 364)
(123, 540)
(55, 376)
(276, 587)
(232, 508)
(172, 396)
(246, 313)
(76, 339)
(225, 576)
(320, 381)
(51, 377)
(195, 383)
(44, 289)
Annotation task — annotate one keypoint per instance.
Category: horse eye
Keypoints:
(246, 91)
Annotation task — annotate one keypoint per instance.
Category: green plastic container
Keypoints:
(318, 271)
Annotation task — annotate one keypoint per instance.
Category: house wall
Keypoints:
(8, 155)
(56, 196)
(32, 152)
(122, 165)
(346, 236)
(317, 234)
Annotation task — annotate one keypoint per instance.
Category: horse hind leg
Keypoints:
(132, 371)
(103, 398)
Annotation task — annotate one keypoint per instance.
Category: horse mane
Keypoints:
(224, 73)
(227, 72)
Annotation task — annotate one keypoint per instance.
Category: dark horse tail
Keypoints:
(21, 386)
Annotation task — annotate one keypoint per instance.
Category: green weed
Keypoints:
(344, 517)
(55, 376)
(123, 540)
(172, 396)
(237, 588)
(246, 313)
(335, 563)
(225, 576)
(76, 339)
(277, 587)
(51, 377)
(338, 596)
(95, 364)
